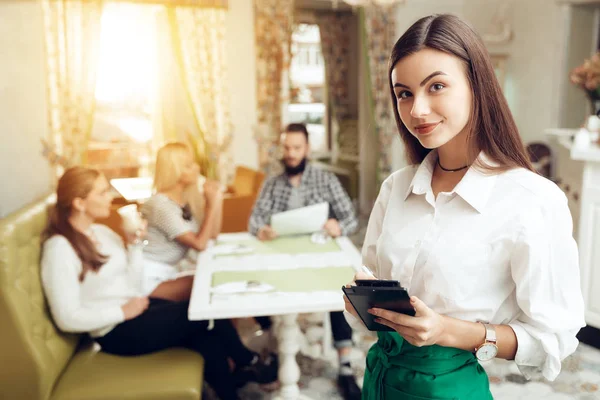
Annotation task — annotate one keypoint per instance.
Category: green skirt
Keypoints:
(400, 371)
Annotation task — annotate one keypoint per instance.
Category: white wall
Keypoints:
(581, 27)
(24, 173)
(242, 81)
(533, 75)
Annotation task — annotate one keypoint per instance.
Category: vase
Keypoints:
(595, 106)
(593, 96)
(592, 123)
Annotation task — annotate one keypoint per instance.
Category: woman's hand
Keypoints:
(212, 192)
(139, 234)
(424, 329)
(349, 307)
(135, 307)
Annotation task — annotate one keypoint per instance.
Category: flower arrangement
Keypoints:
(587, 77)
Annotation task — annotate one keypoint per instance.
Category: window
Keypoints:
(307, 83)
(126, 84)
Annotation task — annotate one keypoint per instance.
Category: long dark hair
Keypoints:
(76, 182)
(492, 127)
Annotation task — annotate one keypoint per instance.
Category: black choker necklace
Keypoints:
(450, 170)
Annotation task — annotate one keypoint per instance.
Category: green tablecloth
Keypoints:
(288, 245)
(292, 280)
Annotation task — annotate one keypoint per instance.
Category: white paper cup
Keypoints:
(132, 220)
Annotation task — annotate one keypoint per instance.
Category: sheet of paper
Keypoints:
(231, 249)
(301, 220)
(235, 237)
(242, 287)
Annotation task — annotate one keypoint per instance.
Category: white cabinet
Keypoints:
(568, 175)
(577, 172)
(589, 241)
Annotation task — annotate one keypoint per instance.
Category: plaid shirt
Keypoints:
(316, 186)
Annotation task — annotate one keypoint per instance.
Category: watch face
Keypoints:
(487, 352)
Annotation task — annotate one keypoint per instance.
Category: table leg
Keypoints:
(289, 372)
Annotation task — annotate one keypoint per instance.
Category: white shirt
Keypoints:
(93, 305)
(498, 248)
(165, 223)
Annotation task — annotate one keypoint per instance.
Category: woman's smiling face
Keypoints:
(433, 96)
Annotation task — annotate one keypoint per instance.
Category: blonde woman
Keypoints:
(172, 227)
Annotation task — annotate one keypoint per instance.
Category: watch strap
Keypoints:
(490, 334)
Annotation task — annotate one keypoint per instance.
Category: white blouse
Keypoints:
(498, 248)
(93, 305)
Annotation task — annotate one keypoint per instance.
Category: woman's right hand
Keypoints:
(140, 233)
(349, 307)
(359, 275)
(212, 192)
(135, 307)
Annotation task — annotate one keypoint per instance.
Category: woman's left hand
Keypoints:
(424, 329)
(139, 234)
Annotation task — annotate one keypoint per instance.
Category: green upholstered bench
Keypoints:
(39, 362)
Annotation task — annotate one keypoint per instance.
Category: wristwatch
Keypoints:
(488, 349)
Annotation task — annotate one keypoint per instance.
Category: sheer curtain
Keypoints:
(72, 35)
(172, 115)
(198, 38)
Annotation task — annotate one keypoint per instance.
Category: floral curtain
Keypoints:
(72, 36)
(273, 32)
(199, 44)
(334, 28)
(379, 35)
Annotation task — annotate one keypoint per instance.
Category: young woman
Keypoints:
(482, 243)
(92, 283)
(172, 228)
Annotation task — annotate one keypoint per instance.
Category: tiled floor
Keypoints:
(579, 379)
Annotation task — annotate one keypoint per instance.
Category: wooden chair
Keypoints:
(246, 181)
(541, 157)
(239, 199)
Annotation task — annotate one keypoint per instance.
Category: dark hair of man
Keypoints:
(297, 128)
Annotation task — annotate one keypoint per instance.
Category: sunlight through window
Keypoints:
(127, 72)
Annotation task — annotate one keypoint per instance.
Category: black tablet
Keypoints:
(377, 282)
(388, 298)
